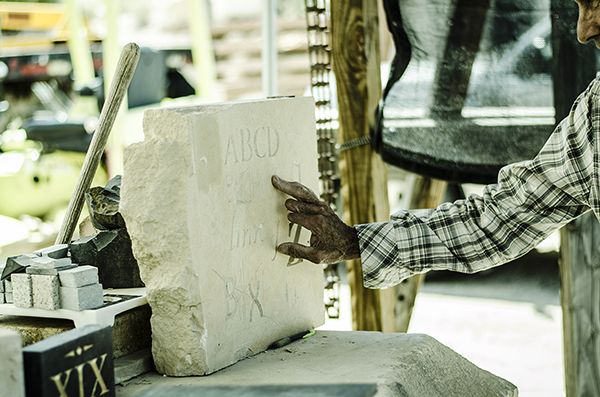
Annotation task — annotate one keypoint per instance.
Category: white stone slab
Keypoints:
(402, 365)
(12, 381)
(204, 221)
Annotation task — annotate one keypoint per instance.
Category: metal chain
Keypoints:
(319, 51)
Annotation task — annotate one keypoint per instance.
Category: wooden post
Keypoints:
(356, 64)
(573, 67)
(580, 300)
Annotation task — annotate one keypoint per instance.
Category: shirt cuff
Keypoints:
(379, 255)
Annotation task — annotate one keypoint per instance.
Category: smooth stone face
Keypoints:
(45, 292)
(12, 380)
(74, 363)
(79, 276)
(22, 293)
(204, 221)
(83, 298)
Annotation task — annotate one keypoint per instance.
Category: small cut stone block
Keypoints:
(8, 297)
(218, 289)
(22, 293)
(79, 276)
(52, 271)
(50, 263)
(55, 251)
(75, 363)
(7, 286)
(45, 292)
(83, 298)
(12, 380)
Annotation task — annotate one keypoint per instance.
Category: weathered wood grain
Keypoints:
(118, 88)
(356, 64)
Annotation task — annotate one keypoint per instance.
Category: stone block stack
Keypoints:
(52, 281)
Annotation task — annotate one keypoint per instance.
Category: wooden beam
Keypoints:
(356, 64)
(580, 300)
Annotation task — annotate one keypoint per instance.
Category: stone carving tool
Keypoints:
(289, 339)
(118, 88)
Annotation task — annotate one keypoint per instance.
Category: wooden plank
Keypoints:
(356, 64)
(580, 300)
(573, 67)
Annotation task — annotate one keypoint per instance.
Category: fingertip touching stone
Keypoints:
(12, 380)
(82, 298)
(56, 251)
(45, 292)
(79, 277)
(22, 291)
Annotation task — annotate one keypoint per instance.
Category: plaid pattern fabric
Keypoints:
(531, 200)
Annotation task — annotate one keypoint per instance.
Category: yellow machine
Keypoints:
(40, 158)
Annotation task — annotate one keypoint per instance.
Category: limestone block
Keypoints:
(12, 380)
(8, 297)
(204, 221)
(79, 276)
(7, 286)
(83, 298)
(45, 292)
(22, 294)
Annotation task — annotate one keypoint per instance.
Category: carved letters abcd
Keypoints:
(76, 363)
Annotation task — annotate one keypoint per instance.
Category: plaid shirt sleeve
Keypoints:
(531, 200)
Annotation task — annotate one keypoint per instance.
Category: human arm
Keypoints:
(331, 240)
(530, 201)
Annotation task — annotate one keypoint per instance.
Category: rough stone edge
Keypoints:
(169, 299)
